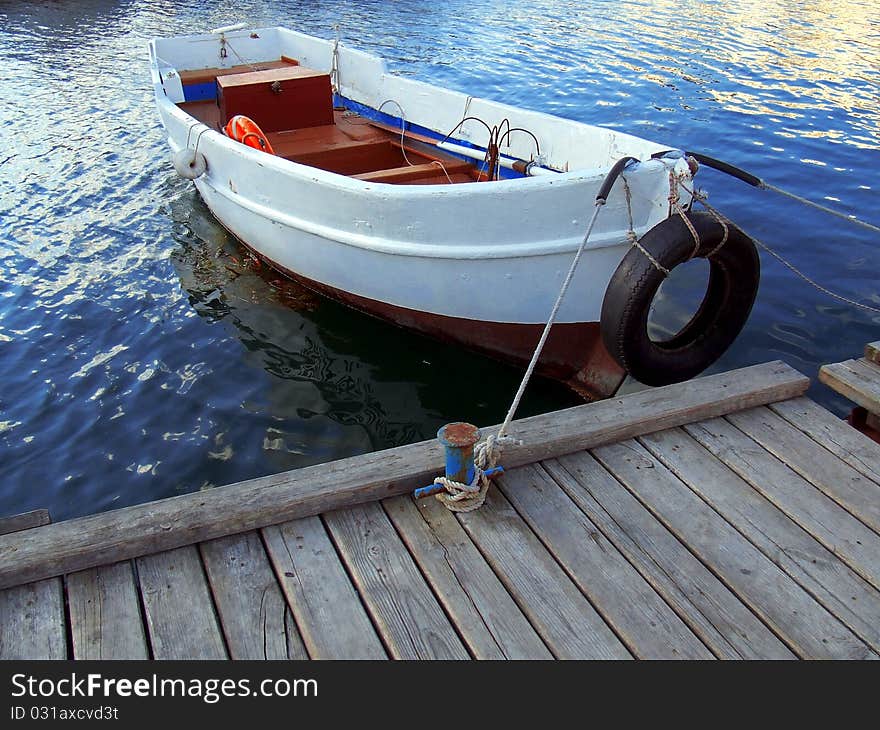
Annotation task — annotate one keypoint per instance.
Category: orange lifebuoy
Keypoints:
(245, 130)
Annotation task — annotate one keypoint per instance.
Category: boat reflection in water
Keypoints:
(324, 380)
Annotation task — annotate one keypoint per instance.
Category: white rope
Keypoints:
(631, 233)
(402, 128)
(675, 203)
(459, 497)
(334, 62)
(823, 208)
(546, 333)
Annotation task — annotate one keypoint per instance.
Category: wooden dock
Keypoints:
(727, 517)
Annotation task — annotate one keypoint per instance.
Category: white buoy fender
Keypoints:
(190, 164)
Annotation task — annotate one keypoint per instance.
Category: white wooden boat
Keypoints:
(379, 194)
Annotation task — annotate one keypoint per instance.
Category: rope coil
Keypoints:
(460, 497)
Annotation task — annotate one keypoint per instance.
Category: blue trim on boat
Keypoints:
(369, 112)
(200, 92)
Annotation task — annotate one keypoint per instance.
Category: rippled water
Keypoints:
(142, 354)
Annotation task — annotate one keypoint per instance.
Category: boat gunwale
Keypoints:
(593, 175)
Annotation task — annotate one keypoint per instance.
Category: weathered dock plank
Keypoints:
(858, 380)
(24, 521)
(109, 537)
(487, 618)
(409, 619)
(328, 610)
(32, 624)
(821, 573)
(848, 538)
(105, 614)
(563, 617)
(855, 493)
(638, 615)
(792, 613)
(179, 611)
(708, 606)
(872, 352)
(836, 435)
(254, 616)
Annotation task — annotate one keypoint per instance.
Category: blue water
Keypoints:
(143, 355)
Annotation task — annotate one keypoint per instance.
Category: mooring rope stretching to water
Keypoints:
(700, 197)
(757, 182)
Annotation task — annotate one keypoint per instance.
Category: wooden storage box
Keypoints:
(277, 99)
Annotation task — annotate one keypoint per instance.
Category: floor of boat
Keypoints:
(356, 147)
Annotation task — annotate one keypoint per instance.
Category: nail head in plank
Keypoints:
(256, 620)
(821, 517)
(770, 592)
(638, 615)
(180, 615)
(833, 477)
(559, 612)
(105, 614)
(821, 573)
(488, 619)
(708, 606)
(836, 435)
(24, 521)
(405, 611)
(330, 616)
(32, 623)
(165, 524)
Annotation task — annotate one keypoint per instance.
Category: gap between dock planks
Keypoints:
(821, 573)
(706, 604)
(630, 606)
(110, 537)
(805, 625)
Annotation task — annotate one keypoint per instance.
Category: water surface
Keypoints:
(143, 354)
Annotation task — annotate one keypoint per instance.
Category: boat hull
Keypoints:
(573, 354)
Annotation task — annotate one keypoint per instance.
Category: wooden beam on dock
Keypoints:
(24, 521)
(83, 543)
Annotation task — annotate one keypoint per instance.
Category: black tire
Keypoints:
(734, 274)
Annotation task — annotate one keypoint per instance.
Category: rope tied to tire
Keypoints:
(631, 234)
(675, 204)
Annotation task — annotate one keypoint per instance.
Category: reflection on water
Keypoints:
(144, 354)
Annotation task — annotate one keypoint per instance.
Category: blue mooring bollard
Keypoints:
(458, 440)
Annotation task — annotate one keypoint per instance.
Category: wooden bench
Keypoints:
(428, 171)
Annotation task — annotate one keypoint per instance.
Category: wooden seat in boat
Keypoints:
(429, 172)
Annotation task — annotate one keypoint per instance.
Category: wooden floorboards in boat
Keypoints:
(749, 535)
(352, 146)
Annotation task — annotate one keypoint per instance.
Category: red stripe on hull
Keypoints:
(574, 352)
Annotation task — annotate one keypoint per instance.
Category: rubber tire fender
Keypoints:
(734, 275)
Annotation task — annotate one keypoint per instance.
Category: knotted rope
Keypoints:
(460, 497)
(631, 234)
